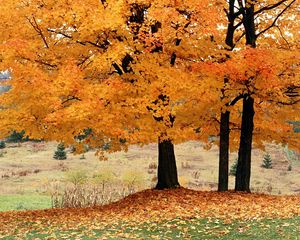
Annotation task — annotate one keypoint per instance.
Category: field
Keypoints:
(29, 175)
(32, 179)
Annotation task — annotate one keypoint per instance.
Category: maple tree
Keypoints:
(248, 23)
(122, 71)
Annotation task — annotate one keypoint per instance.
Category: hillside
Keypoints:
(30, 168)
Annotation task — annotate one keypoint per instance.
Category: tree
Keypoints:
(60, 153)
(249, 25)
(267, 161)
(122, 71)
(247, 125)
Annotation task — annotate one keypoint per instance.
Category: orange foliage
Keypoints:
(104, 65)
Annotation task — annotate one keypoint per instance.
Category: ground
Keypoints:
(30, 179)
(169, 214)
(29, 175)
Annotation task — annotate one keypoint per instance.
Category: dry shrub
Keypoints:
(77, 177)
(86, 195)
(62, 167)
(196, 174)
(102, 188)
(153, 165)
(5, 175)
(24, 173)
(38, 147)
(186, 165)
(36, 171)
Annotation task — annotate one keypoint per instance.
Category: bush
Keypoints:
(2, 145)
(77, 177)
(60, 153)
(153, 165)
(267, 161)
(289, 167)
(17, 137)
(233, 168)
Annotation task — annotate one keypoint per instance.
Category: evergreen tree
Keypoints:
(2, 144)
(233, 167)
(60, 153)
(267, 161)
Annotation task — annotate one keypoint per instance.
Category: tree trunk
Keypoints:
(224, 152)
(225, 117)
(167, 170)
(242, 180)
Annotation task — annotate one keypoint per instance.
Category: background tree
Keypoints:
(246, 26)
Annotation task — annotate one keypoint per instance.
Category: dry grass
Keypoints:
(30, 168)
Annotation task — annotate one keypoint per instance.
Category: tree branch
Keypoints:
(36, 27)
(275, 20)
(269, 7)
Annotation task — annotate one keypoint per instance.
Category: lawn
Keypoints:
(177, 228)
(24, 202)
(169, 214)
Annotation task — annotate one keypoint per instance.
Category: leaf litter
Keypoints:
(150, 207)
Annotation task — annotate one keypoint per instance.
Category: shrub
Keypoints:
(106, 146)
(24, 173)
(233, 168)
(133, 179)
(186, 165)
(77, 177)
(17, 137)
(36, 171)
(267, 161)
(104, 176)
(38, 146)
(196, 174)
(2, 145)
(153, 165)
(289, 167)
(60, 153)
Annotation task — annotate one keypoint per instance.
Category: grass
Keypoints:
(24, 202)
(181, 229)
(171, 214)
(43, 172)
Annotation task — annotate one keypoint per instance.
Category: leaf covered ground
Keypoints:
(169, 214)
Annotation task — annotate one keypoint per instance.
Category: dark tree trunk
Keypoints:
(167, 170)
(243, 172)
(242, 180)
(224, 152)
(225, 117)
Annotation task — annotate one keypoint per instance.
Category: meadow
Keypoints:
(32, 180)
(29, 175)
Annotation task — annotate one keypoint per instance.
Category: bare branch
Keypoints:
(70, 98)
(270, 7)
(36, 27)
(275, 20)
(281, 34)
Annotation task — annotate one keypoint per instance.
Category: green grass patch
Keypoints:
(179, 229)
(24, 202)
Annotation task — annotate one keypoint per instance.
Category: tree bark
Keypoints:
(224, 152)
(225, 117)
(167, 170)
(242, 180)
(243, 172)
